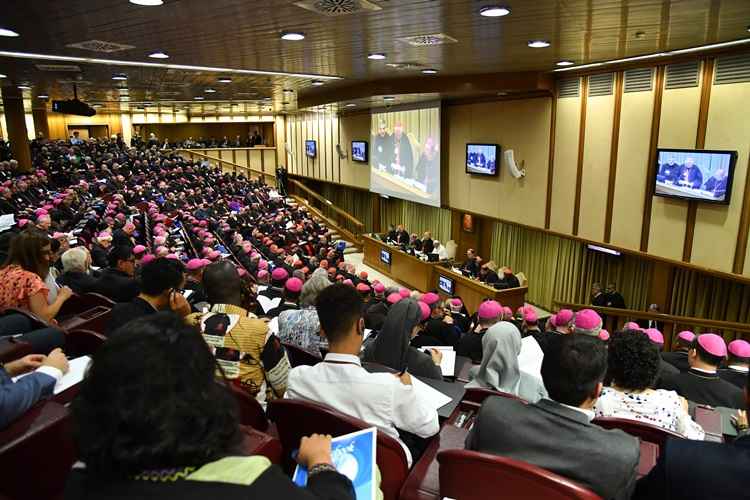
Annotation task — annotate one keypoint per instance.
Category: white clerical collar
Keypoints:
(739, 368)
(342, 358)
(590, 414)
(710, 372)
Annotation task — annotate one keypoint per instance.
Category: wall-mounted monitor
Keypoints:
(385, 257)
(695, 174)
(482, 159)
(311, 149)
(446, 285)
(359, 151)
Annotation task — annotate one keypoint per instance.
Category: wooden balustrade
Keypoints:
(231, 166)
(343, 220)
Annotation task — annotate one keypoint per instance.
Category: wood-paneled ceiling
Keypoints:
(245, 34)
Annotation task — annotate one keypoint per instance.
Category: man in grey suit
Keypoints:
(557, 434)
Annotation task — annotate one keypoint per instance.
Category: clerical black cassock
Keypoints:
(678, 359)
(734, 376)
(704, 388)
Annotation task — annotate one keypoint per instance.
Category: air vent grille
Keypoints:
(569, 87)
(601, 85)
(639, 80)
(682, 76)
(428, 40)
(100, 46)
(734, 69)
(71, 68)
(335, 8)
(404, 65)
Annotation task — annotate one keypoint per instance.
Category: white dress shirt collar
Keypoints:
(590, 414)
(739, 368)
(342, 358)
(710, 372)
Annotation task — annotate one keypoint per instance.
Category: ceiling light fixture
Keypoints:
(9, 33)
(42, 96)
(538, 44)
(565, 62)
(317, 83)
(210, 91)
(158, 55)
(198, 98)
(377, 56)
(502, 93)
(494, 11)
(389, 98)
(24, 87)
(224, 79)
(147, 3)
(96, 105)
(429, 71)
(3, 76)
(119, 76)
(350, 105)
(139, 64)
(293, 36)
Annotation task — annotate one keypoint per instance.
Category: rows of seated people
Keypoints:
(218, 282)
(252, 140)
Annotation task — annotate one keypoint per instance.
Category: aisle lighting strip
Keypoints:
(184, 67)
(656, 55)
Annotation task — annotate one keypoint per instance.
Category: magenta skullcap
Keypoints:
(529, 315)
(489, 309)
(425, 310)
(686, 335)
(404, 292)
(149, 257)
(379, 288)
(604, 335)
(262, 274)
(279, 274)
(262, 264)
(631, 325)
(348, 282)
(507, 312)
(206, 262)
(241, 271)
(57, 235)
(430, 298)
(393, 298)
(194, 264)
(563, 317)
(294, 285)
(139, 249)
(363, 288)
(173, 256)
(655, 336)
(739, 348)
(456, 303)
(214, 255)
(713, 344)
(587, 319)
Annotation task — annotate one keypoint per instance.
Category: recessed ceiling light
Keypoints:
(7, 32)
(429, 71)
(377, 56)
(3, 76)
(147, 3)
(566, 62)
(538, 44)
(158, 55)
(293, 36)
(209, 91)
(96, 105)
(350, 105)
(502, 93)
(42, 96)
(224, 79)
(494, 11)
(198, 98)
(24, 87)
(389, 98)
(317, 83)
(119, 76)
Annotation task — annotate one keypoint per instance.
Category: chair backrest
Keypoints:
(522, 279)
(95, 319)
(78, 304)
(295, 419)
(646, 432)
(479, 394)
(450, 249)
(80, 342)
(470, 475)
(36, 453)
(251, 412)
(11, 349)
(299, 356)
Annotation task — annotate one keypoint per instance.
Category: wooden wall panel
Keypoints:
(679, 122)
(595, 175)
(353, 128)
(459, 133)
(566, 158)
(632, 168)
(716, 226)
(280, 128)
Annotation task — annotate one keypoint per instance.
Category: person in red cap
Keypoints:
(702, 384)
(290, 298)
(377, 310)
(194, 280)
(489, 313)
(679, 357)
(459, 314)
(276, 291)
(738, 364)
(438, 329)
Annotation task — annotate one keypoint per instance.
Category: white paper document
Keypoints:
(448, 363)
(76, 370)
(432, 396)
(531, 357)
(267, 304)
(273, 326)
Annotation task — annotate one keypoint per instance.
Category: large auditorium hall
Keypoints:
(374, 249)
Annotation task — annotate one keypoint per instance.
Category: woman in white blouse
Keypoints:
(633, 368)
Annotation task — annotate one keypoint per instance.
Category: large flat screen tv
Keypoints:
(695, 174)
(311, 149)
(482, 159)
(359, 151)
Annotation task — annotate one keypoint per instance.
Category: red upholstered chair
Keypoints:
(36, 321)
(94, 319)
(36, 453)
(11, 349)
(256, 442)
(80, 342)
(78, 304)
(645, 432)
(479, 394)
(470, 475)
(295, 419)
(299, 356)
(251, 412)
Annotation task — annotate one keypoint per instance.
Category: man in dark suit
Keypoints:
(509, 279)
(738, 364)
(117, 281)
(472, 263)
(697, 470)
(702, 384)
(557, 434)
(717, 183)
(614, 298)
(402, 237)
(690, 175)
(597, 296)
(652, 323)
(391, 235)
(487, 275)
(403, 155)
(679, 357)
(669, 171)
(427, 245)
(76, 266)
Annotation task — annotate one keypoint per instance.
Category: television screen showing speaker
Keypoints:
(445, 285)
(311, 148)
(481, 159)
(359, 151)
(385, 257)
(694, 174)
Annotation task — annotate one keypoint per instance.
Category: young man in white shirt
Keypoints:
(385, 400)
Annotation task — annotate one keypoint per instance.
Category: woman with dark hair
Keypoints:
(23, 275)
(150, 421)
(633, 368)
(392, 346)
